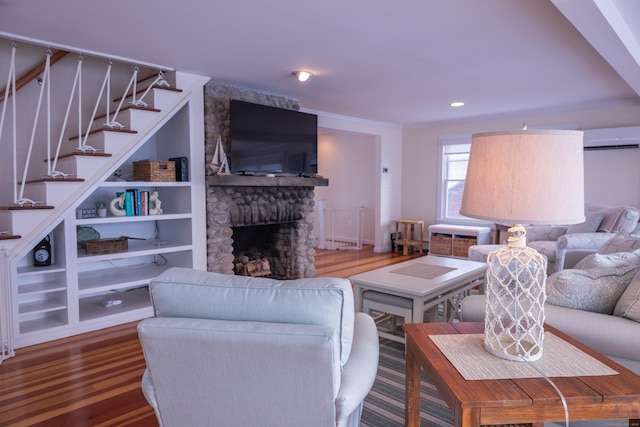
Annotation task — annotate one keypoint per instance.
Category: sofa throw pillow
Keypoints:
(596, 290)
(621, 242)
(618, 259)
(590, 225)
(629, 303)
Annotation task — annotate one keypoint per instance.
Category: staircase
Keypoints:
(48, 199)
(28, 223)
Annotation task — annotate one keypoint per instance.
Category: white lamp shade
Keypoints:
(525, 177)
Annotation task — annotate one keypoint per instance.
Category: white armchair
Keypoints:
(237, 351)
(565, 245)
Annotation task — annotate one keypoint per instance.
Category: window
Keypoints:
(454, 158)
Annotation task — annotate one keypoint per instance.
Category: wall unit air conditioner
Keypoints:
(612, 138)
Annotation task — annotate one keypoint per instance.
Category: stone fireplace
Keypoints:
(261, 218)
(255, 217)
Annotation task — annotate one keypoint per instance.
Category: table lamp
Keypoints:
(521, 177)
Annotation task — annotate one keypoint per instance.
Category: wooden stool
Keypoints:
(409, 237)
(390, 308)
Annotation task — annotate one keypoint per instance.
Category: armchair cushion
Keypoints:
(629, 303)
(590, 225)
(183, 292)
(596, 290)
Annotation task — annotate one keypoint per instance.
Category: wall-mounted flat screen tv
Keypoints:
(270, 140)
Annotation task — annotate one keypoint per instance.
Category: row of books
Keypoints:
(136, 202)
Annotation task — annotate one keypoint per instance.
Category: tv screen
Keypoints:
(271, 140)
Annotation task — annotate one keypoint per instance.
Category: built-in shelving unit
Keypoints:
(80, 292)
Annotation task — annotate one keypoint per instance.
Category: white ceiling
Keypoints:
(394, 61)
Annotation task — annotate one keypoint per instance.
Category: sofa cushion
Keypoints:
(621, 242)
(629, 303)
(618, 259)
(184, 292)
(597, 290)
(590, 225)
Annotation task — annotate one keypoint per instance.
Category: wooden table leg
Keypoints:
(405, 239)
(412, 388)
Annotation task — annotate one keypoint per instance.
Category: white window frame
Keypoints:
(452, 144)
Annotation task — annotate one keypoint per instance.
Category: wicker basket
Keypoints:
(154, 171)
(440, 244)
(106, 246)
(461, 246)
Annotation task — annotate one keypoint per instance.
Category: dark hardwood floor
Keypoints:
(94, 379)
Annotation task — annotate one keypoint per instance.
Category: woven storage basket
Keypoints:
(461, 246)
(154, 170)
(440, 244)
(106, 246)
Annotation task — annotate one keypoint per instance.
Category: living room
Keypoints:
(398, 176)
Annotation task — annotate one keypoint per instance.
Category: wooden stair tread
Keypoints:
(133, 107)
(50, 179)
(25, 207)
(83, 154)
(106, 129)
(10, 236)
(139, 91)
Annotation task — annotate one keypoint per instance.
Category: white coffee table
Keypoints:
(428, 281)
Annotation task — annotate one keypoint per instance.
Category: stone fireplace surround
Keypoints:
(248, 201)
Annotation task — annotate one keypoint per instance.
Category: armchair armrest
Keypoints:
(579, 242)
(359, 373)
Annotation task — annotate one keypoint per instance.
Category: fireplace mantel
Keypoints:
(265, 181)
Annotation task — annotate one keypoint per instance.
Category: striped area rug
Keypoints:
(384, 406)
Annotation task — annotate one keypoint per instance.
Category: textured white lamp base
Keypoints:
(515, 291)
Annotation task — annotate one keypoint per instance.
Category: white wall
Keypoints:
(387, 153)
(611, 177)
(349, 159)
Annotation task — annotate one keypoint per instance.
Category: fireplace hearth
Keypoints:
(270, 220)
(255, 245)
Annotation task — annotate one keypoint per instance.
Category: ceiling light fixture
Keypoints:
(457, 104)
(302, 76)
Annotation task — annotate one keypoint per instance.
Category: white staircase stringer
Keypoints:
(39, 229)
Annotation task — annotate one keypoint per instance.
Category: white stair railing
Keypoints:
(17, 120)
(82, 140)
(77, 86)
(10, 90)
(44, 88)
(6, 338)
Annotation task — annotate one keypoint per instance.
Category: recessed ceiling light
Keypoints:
(457, 104)
(302, 76)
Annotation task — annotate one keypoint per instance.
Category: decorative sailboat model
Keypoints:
(219, 163)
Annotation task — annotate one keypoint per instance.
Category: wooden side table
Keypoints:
(409, 238)
(514, 401)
